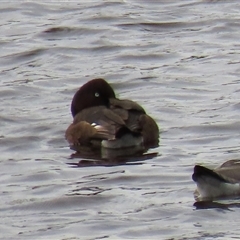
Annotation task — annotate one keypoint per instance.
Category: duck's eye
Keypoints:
(97, 94)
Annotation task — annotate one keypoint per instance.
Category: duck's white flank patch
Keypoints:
(211, 188)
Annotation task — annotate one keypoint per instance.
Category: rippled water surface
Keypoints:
(178, 59)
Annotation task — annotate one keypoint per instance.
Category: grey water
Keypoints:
(178, 59)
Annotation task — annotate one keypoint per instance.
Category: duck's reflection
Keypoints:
(218, 205)
(110, 157)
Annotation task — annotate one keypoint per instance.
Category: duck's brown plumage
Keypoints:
(95, 102)
(87, 97)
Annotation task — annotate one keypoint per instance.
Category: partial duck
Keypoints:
(102, 120)
(220, 182)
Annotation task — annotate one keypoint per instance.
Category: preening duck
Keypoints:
(100, 119)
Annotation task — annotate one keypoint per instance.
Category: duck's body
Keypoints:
(220, 182)
(100, 119)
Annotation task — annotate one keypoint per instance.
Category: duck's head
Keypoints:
(96, 92)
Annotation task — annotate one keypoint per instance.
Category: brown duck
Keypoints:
(102, 120)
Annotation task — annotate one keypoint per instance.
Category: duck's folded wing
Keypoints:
(231, 163)
(130, 112)
(125, 104)
(231, 174)
(110, 121)
(120, 118)
(230, 169)
(121, 114)
(136, 120)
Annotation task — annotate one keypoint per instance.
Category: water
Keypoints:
(178, 59)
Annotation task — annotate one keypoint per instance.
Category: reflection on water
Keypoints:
(110, 157)
(219, 205)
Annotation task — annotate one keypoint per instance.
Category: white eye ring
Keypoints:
(97, 94)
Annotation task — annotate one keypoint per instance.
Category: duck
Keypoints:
(223, 181)
(102, 120)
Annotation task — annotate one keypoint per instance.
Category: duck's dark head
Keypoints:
(96, 92)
